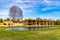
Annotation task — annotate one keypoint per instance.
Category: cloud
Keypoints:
(25, 0)
(46, 1)
(47, 8)
(28, 6)
(52, 2)
(53, 16)
(4, 12)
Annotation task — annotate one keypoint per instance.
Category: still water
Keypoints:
(22, 28)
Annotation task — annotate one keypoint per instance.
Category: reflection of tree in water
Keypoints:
(15, 13)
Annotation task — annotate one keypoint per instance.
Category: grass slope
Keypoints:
(50, 34)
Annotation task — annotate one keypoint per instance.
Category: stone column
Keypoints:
(43, 22)
(31, 22)
(52, 23)
(36, 22)
(27, 22)
(39, 23)
(46, 23)
(49, 24)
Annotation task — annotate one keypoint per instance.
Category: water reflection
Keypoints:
(22, 28)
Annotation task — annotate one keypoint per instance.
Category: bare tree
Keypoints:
(15, 13)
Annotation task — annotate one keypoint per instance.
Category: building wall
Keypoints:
(17, 24)
(38, 22)
(11, 23)
(31, 23)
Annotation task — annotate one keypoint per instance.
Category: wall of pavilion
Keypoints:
(29, 23)
(38, 22)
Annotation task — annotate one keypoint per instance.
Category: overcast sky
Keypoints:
(45, 9)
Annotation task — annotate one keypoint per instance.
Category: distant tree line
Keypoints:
(57, 22)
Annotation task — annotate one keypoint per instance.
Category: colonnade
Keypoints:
(39, 22)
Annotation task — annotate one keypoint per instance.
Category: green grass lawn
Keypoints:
(50, 34)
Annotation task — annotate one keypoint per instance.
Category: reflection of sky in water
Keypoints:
(21, 28)
(16, 29)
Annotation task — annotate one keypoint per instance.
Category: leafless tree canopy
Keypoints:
(15, 13)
